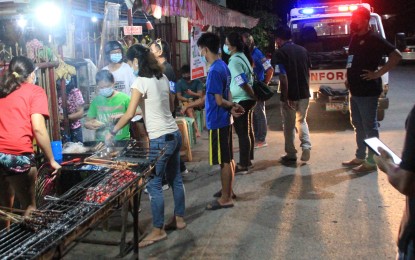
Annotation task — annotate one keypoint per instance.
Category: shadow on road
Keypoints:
(309, 187)
(318, 120)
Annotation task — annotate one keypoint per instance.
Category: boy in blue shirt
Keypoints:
(218, 117)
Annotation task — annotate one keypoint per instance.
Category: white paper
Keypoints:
(136, 118)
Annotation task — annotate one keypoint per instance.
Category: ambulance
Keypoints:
(324, 30)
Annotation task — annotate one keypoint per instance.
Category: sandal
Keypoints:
(149, 242)
(219, 194)
(214, 205)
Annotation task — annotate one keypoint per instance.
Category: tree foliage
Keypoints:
(263, 32)
(268, 20)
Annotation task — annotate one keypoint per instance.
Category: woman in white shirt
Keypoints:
(151, 91)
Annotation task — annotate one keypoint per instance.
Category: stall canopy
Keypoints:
(199, 12)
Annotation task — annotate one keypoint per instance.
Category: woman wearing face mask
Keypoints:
(23, 107)
(240, 65)
(107, 107)
(123, 74)
(152, 92)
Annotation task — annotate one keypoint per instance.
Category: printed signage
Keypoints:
(133, 30)
(197, 66)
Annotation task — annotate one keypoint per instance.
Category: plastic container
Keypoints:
(57, 150)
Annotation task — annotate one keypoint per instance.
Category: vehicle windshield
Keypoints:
(325, 34)
(326, 39)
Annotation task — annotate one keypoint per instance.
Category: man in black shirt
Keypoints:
(294, 65)
(402, 177)
(366, 51)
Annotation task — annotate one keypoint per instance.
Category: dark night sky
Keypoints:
(404, 9)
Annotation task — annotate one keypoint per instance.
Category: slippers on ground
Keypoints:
(219, 194)
(149, 242)
(214, 205)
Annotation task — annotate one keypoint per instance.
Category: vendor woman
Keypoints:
(151, 90)
(107, 107)
(24, 107)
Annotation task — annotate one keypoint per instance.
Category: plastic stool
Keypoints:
(200, 120)
(192, 133)
(185, 150)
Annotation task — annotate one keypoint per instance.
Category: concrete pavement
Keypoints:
(317, 210)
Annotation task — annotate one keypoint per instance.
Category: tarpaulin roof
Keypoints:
(218, 16)
(201, 12)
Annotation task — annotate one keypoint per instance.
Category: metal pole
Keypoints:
(136, 208)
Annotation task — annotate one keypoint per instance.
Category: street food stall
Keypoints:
(117, 176)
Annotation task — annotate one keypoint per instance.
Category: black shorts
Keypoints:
(220, 145)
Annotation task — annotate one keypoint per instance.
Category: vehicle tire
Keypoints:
(381, 114)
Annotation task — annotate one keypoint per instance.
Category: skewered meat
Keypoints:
(109, 186)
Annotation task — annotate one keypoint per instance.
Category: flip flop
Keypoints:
(173, 227)
(219, 194)
(214, 205)
(149, 242)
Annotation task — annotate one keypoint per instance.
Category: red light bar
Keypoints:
(353, 8)
(343, 8)
(347, 8)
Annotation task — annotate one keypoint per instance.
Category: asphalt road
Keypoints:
(317, 210)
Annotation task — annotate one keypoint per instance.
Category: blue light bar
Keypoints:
(307, 11)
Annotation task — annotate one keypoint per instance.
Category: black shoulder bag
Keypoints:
(261, 90)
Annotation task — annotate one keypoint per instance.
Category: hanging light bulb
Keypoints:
(22, 22)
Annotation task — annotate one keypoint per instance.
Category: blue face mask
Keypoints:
(203, 59)
(106, 92)
(116, 57)
(226, 49)
(136, 72)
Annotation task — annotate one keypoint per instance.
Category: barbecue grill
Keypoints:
(84, 206)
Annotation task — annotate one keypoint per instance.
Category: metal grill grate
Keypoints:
(78, 213)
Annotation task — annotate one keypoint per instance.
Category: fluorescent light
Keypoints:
(49, 14)
(22, 22)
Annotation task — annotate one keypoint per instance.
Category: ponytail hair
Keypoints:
(235, 39)
(20, 68)
(147, 62)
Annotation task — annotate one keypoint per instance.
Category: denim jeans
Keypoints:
(168, 166)
(76, 135)
(409, 254)
(243, 128)
(296, 119)
(260, 122)
(363, 116)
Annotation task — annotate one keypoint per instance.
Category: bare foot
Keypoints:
(154, 236)
(175, 222)
(198, 134)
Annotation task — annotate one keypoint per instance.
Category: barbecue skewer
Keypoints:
(113, 165)
(102, 161)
